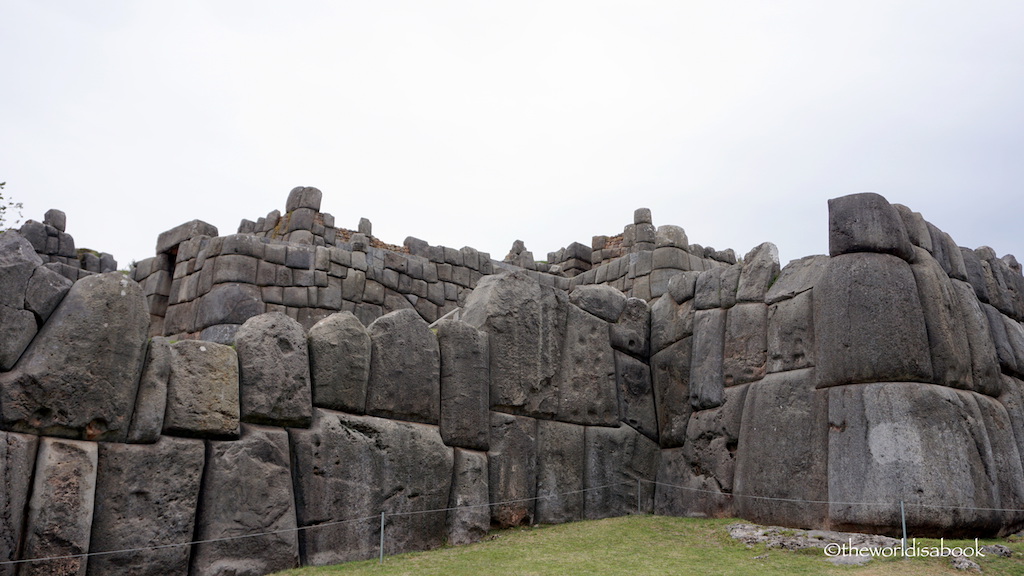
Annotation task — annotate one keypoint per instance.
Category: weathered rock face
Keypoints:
(525, 323)
(512, 466)
(405, 369)
(469, 516)
(636, 395)
(465, 385)
(586, 382)
(202, 391)
(247, 489)
(61, 508)
(620, 462)
(339, 357)
(560, 472)
(707, 379)
(17, 459)
(602, 301)
(367, 466)
(73, 386)
(866, 223)
(273, 371)
(146, 496)
(670, 375)
(151, 400)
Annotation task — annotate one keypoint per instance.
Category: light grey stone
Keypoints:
(916, 227)
(339, 352)
(760, 269)
(745, 354)
(465, 385)
(151, 400)
(670, 322)
(684, 491)
(304, 197)
(146, 496)
(405, 379)
(866, 222)
(791, 333)
(18, 262)
(712, 438)
(1000, 339)
(168, 241)
(682, 286)
(273, 371)
(18, 328)
(45, 290)
(17, 460)
(202, 391)
(586, 382)
(602, 301)
(70, 385)
(631, 333)
(669, 235)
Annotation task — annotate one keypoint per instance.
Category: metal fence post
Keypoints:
(381, 537)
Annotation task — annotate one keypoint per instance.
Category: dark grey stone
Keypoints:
(202, 391)
(682, 286)
(146, 496)
(670, 322)
(17, 460)
(221, 334)
(512, 469)
(526, 325)
(35, 233)
(712, 438)
(45, 290)
(405, 379)
(947, 334)
(56, 218)
(1000, 339)
(947, 253)
(229, 304)
(469, 516)
(60, 509)
(304, 197)
(359, 466)
(746, 346)
(273, 371)
(798, 276)
(708, 289)
(339, 354)
(247, 489)
(791, 333)
(151, 400)
(632, 331)
(975, 273)
(784, 436)
(866, 223)
(636, 395)
(18, 261)
(18, 328)
(602, 301)
(560, 472)
(586, 382)
(1015, 337)
(168, 241)
(868, 322)
(683, 490)
(916, 227)
(619, 462)
(670, 374)
(707, 377)
(760, 269)
(984, 360)
(70, 385)
(1008, 471)
(465, 385)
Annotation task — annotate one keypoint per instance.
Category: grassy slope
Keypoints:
(648, 545)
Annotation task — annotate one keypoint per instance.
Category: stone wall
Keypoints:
(295, 386)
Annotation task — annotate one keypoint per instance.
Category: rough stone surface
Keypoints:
(61, 508)
(469, 518)
(707, 380)
(984, 360)
(151, 400)
(145, 496)
(760, 269)
(304, 197)
(273, 371)
(17, 460)
(247, 489)
(670, 375)
(631, 333)
(670, 323)
(683, 490)
(636, 395)
(18, 328)
(784, 436)
(525, 323)
(18, 261)
(600, 300)
(866, 223)
(619, 462)
(169, 240)
(202, 391)
(512, 469)
(746, 346)
(465, 384)
(230, 303)
(791, 333)
(797, 277)
(868, 322)
(70, 385)
(45, 290)
(405, 371)
(339, 357)
(1008, 473)
(1000, 339)
(367, 466)
(886, 441)
(560, 472)
(947, 333)
(586, 381)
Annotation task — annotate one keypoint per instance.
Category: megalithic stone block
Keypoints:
(339, 358)
(17, 461)
(273, 371)
(465, 385)
(866, 223)
(405, 378)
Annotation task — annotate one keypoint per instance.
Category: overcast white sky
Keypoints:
(477, 123)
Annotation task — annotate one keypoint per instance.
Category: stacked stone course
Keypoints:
(285, 378)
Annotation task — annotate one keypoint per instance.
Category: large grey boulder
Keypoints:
(469, 515)
(78, 378)
(304, 197)
(525, 323)
(707, 379)
(231, 303)
(1008, 472)
(247, 490)
(17, 460)
(712, 437)
(560, 472)
(339, 358)
(796, 278)
(866, 223)
(60, 509)
(887, 440)
(621, 468)
(146, 497)
(46, 289)
(636, 395)
(984, 359)
(465, 385)
(512, 469)
(1000, 339)
(670, 322)
(670, 376)
(790, 339)
(168, 241)
(745, 355)
(869, 323)
(351, 467)
(631, 333)
(784, 436)
(405, 369)
(273, 371)
(151, 400)
(586, 382)
(760, 269)
(600, 300)
(684, 490)
(947, 333)
(18, 328)
(18, 261)
(202, 391)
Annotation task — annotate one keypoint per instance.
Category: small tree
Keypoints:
(5, 204)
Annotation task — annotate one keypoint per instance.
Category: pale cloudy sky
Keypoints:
(477, 123)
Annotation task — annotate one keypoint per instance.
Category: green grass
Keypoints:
(645, 545)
